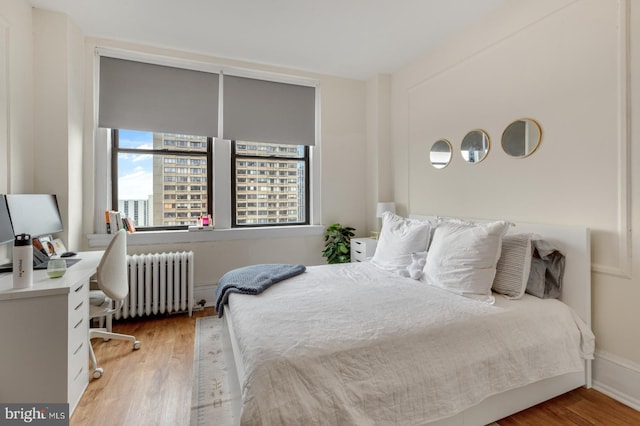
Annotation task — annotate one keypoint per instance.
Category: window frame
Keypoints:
(101, 175)
(116, 149)
(306, 159)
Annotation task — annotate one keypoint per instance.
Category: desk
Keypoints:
(44, 352)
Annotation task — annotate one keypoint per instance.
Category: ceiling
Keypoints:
(347, 38)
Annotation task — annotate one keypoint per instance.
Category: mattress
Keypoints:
(354, 344)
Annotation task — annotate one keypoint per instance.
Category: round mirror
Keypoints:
(521, 138)
(475, 146)
(440, 154)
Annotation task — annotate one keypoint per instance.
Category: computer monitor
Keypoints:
(34, 214)
(6, 230)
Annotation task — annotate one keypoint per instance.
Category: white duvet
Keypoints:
(354, 345)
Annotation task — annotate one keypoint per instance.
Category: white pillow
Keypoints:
(514, 266)
(399, 238)
(463, 256)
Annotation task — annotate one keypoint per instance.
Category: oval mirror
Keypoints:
(440, 154)
(475, 146)
(521, 138)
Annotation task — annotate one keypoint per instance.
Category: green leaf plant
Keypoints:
(337, 248)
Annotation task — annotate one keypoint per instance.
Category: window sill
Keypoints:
(175, 237)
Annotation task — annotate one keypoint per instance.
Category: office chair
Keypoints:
(113, 283)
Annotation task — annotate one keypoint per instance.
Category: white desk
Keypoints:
(44, 352)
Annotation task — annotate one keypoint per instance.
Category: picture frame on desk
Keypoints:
(37, 245)
(48, 246)
(58, 246)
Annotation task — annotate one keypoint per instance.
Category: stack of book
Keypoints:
(116, 220)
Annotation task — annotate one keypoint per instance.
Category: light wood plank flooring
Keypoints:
(152, 386)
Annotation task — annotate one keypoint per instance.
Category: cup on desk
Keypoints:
(56, 268)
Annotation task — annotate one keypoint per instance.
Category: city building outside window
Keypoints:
(152, 189)
(275, 176)
(150, 184)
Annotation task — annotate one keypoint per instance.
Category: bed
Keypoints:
(360, 344)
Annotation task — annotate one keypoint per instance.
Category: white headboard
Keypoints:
(575, 243)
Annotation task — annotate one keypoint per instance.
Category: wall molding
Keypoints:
(623, 269)
(617, 378)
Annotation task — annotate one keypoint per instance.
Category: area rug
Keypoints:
(211, 395)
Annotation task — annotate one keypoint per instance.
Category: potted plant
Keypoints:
(337, 248)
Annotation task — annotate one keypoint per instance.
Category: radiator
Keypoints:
(159, 283)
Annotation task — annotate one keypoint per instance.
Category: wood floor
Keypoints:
(152, 386)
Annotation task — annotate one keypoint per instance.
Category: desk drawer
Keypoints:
(78, 341)
(78, 293)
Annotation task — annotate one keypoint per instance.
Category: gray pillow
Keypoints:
(514, 265)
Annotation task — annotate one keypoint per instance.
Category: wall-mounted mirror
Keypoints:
(440, 154)
(475, 146)
(521, 138)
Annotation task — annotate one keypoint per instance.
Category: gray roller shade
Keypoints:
(266, 111)
(142, 96)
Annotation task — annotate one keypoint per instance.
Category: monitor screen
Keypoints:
(34, 214)
(6, 231)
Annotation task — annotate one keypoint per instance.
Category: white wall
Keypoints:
(379, 176)
(563, 63)
(58, 111)
(16, 100)
(16, 96)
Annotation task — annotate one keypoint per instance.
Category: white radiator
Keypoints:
(159, 283)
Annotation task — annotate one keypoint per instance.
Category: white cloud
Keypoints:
(137, 185)
(134, 158)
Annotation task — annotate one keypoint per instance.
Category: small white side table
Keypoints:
(362, 248)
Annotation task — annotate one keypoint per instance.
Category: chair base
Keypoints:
(107, 335)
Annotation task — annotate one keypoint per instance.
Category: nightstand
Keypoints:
(362, 248)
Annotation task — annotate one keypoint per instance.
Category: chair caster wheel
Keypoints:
(97, 373)
(136, 345)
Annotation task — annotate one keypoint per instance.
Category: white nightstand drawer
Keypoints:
(362, 248)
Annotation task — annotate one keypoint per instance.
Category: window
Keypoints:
(251, 160)
(170, 174)
(139, 161)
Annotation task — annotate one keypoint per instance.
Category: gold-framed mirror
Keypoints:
(521, 138)
(475, 146)
(440, 153)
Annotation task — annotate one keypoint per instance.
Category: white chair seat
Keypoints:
(97, 297)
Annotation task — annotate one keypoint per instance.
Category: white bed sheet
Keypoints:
(353, 344)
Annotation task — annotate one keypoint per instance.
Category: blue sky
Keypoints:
(135, 172)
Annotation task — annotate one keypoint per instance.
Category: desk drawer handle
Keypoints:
(78, 374)
(80, 287)
(79, 306)
(78, 323)
(78, 348)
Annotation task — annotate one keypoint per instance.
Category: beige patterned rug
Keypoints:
(212, 395)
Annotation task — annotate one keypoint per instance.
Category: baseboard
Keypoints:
(206, 293)
(618, 378)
